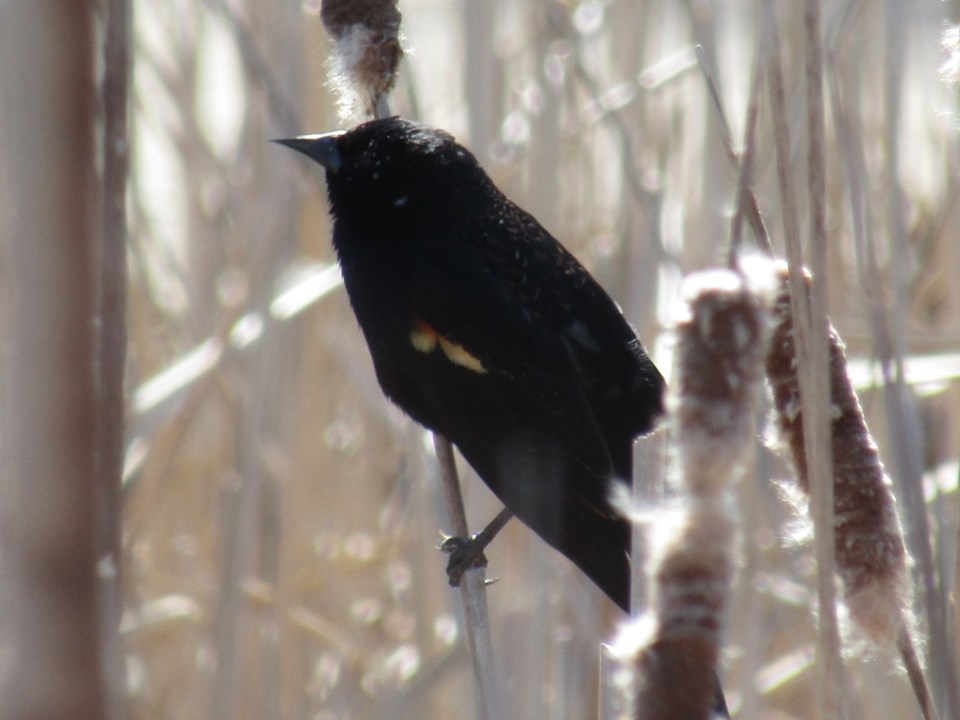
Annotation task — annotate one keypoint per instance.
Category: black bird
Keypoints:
(485, 329)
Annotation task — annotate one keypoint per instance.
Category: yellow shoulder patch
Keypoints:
(425, 339)
(458, 355)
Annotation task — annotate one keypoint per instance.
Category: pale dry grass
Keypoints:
(280, 516)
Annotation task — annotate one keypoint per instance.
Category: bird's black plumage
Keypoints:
(484, 328)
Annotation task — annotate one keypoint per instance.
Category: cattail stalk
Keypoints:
(473, 591)
(721, 346)
(813, 363)
(52, 619)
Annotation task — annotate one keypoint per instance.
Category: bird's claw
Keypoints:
(465, 554)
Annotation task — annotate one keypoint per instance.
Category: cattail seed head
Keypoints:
(869, 548)
(367, 51)
(721, 344)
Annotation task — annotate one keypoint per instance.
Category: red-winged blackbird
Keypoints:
(485, 329)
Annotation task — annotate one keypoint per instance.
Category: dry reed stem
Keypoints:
(813, 366)
(472, 590)
(111, 342)
(52, 618)
(907, 645)
(810, 324)
(746, 199)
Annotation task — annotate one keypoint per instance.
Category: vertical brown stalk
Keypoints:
(813, 367)
(111, 339)
(51, 412)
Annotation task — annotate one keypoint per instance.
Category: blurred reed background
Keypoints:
(280, 517)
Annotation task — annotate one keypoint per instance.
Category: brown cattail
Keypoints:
(721, 343)
(367, 51)
(870, 552)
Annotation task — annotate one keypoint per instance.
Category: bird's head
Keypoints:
(393, 171)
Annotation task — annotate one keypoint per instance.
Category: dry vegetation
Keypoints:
(281, 520)
(280, 517)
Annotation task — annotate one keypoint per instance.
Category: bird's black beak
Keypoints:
(322, 148)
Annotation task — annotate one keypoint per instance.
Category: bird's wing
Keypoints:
(619, 381)
(463, 303)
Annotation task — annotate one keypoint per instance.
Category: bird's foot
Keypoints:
(465, 554)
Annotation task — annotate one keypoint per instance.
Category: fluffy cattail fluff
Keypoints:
(721, 343)
(367, 52)
(870, 552)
